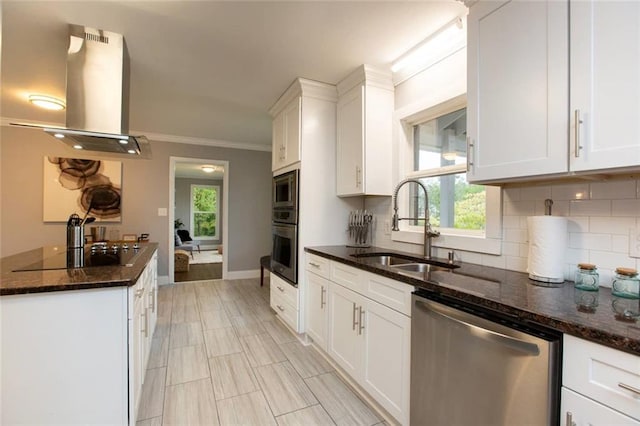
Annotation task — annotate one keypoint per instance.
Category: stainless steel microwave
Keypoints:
(285, 191)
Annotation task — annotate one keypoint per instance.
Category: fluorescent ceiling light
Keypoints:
(47, 102)
(447, 40)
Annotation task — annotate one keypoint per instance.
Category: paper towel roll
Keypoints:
(547, 244)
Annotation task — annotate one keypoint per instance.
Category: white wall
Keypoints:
(601, 213)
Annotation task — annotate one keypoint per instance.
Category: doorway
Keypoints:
(198, 194)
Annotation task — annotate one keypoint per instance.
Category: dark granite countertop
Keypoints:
(23, 282)
(513, 293)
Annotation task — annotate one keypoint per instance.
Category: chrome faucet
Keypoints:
(428, 232)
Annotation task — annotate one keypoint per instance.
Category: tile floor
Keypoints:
(220, 357)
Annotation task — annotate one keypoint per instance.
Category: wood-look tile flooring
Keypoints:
(219, 356)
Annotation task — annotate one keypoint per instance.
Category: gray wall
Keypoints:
(145, 189)
(183, 203)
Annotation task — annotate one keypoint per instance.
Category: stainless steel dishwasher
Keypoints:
(472, 366)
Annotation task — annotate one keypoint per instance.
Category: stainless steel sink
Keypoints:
(405, 264)
(420, 267)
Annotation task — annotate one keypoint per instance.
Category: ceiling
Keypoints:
(209, 70)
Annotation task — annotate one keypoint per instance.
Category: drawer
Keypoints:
(606, 375)
(580, 411)
(388, 292)
(285, 290)
(318, 265)
(347, 276)
(285, 311)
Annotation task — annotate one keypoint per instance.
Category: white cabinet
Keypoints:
(605, 84)
(369, 339)
(607, 380)
(517, 89)
(364, 124)
(286, 135)
(284, 300)
(524, 121)
(576, 410)
(317, 308)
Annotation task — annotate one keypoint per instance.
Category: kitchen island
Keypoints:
(562, 308)
(75, 341)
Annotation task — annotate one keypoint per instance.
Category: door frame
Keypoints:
(225, 210)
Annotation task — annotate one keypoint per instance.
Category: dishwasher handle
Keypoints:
(491, 335)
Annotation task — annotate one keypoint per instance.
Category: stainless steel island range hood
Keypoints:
(97, 116)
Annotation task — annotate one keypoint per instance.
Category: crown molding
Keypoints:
(367, 75)
(308, 89)
(158, 137)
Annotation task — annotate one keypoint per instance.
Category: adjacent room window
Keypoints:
(205, 211)
(439, 161)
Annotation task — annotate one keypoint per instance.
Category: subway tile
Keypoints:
(511, 194)
(610, 260)
(575, 256)
(578, 191)
(620, 243)
(519, 208)
(516, 263)
(515, 236)
(510, 249)
(625, 208)
(590, 241)
(509, 221)
(590, 208)
(615, 190)
(535, 193)
(559, 208)
(607, 225)
(523, 250)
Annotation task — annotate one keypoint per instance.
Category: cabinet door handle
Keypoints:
(280, 288)
(577, 124)
(144, 330)
(358, 176)
(629, 388)
(353, 327)
(315, 265)
(361, 316)
(569, 421)
(323, 291)
(280, 308)
(152, 302)
(469, 153)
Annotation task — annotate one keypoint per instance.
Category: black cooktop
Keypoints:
(88, 257)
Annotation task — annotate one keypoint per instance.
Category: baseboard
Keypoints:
(163, 279)
(243, 275)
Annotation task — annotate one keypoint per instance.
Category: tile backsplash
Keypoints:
(602, 217)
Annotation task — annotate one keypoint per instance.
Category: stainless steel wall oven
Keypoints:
(284, 249)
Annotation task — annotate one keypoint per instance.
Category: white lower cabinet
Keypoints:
(317, 308)
(601, 385)
(284, 300)
(369, 340)
(578, 410)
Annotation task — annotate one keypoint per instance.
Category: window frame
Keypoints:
(489, 241)
(192, 211)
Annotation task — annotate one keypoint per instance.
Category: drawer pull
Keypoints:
(569, 421)
(323, 291)
(281, 289)
(280, 308)
(629, 388)
(361, 327)
(139, 292)
(315, 265)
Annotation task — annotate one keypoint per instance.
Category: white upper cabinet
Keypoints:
(286, 135)
(364, 121)
(525, 121)
(517, 89)
(605, 84)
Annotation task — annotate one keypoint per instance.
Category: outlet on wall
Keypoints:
(634, 243)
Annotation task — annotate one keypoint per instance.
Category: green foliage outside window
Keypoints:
(205, 208)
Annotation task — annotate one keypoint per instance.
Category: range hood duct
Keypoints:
(97, 116)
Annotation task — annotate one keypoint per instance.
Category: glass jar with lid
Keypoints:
(626, 283)
(587, 277)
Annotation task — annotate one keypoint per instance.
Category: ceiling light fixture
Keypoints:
(208, 169)
(77, 146)
(47, 102)
(447, 40)
(59, 135)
